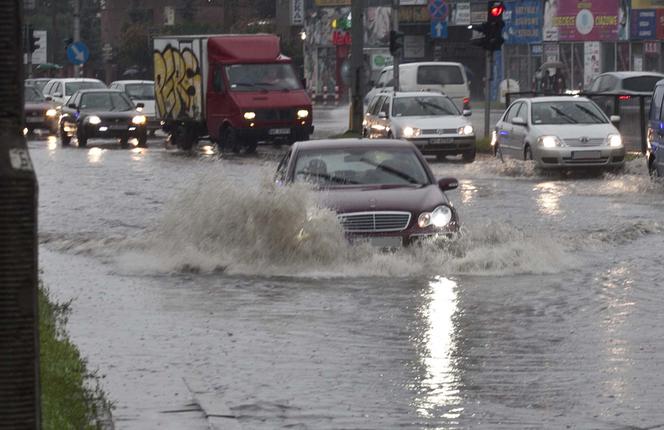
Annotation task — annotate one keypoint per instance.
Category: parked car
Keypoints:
(39, 113)
(102, 113)
(430, 120)
(382, 190)
(60, 90)
(140, 92)
(38, 83)
(626, 83)
(445, 77)
(560, 131)
(655, 132)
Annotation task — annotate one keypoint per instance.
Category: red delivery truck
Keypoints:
(237, 89)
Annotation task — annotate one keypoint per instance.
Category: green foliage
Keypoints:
(71, 397)
(483, 145)
(134, 49)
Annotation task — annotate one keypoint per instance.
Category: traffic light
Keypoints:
(492, 28)
(33, 42)
(396, 42)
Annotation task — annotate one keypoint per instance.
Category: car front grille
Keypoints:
(275, 114)
(369, 222)
(584, 142)
(438, 131)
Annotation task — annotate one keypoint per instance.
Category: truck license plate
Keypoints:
(584, 155)
(278, 131)
(441, 140)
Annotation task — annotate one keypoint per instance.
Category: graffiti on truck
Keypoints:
(177, 80)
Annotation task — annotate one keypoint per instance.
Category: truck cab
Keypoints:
(237, 89)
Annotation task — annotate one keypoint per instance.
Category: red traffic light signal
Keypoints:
(496, 10)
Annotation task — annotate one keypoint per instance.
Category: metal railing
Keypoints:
(632, 109)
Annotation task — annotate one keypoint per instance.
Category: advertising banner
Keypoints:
(660, 24)
(523, 22)
(647, 4)
(592, 20)
(644, 24)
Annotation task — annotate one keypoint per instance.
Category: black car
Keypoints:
(102, 114)
(39, 113)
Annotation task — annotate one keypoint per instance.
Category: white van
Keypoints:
(445, 77)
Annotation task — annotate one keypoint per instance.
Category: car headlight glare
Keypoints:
(411, 132)
(549, 141)
(466, 130)
(94, 119)
(249, 115)
(615, 140)
(51, 113)
(439, 217)
(138, 119)
(301, 114)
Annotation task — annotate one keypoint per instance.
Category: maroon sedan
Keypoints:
(39, 113)
(382, 190)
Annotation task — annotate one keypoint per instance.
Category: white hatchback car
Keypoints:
(430, 120)
(60, 90)
(562, 131)
(140, 92)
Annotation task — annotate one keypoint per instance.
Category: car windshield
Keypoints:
(39, 84)
(262, 77)
(32, 95)
(72, 87)
(360, 166)
(567, 112)
(641, 83)
(423, 106)
(140, 91)
(105, 101)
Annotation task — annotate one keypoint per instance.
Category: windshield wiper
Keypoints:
(395, 172)
(564, 115)
(435, 107)
(327, 177)
(589, 112)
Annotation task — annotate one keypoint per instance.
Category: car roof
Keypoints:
(75, 80)
(552, 99)
(351, 143)
(631, 74)
(133, 81)
(99, 90)
(426, 63)
(417, 93)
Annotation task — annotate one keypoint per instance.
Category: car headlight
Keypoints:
(614, 140)
(94, 119)
(466, 130)
(411, 132)
(439, 217)
(301, 114)
(249, 115)
(549, 141)
(138, 119)
(51, 113)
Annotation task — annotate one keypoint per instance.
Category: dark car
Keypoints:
(382, 190)
(39, 113)
(102, 114)
(655, 132)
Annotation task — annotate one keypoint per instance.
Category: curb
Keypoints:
(218, 414)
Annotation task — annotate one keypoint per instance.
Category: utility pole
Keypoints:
(487, 93)
(28, 50)
(77, 31)
(396, 57)
(357, 66)
(19, 338)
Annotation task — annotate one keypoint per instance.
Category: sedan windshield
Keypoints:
(357, 166)
(423, 106)
(105, 101)
(567, 112)
(32, 95)
(140, 91)
(262, 77)
(72, 87)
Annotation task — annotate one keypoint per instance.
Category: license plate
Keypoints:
(441, 140)
(278, 131)
(33, 119)
(584, 155)
(117, 127)
(386, 241)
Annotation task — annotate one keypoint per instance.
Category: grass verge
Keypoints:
(483, 145)
(70, 393)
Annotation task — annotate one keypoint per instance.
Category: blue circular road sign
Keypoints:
(78, 53)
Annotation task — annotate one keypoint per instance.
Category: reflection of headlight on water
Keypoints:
(439, 217)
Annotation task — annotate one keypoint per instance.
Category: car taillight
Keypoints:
(624, 98)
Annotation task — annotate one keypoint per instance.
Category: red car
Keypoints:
(382, 190)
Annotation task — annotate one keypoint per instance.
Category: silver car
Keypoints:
(430, 120)
(564, 131)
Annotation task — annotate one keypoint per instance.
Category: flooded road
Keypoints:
(546, 314)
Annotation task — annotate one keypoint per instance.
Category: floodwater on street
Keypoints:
(191, 269)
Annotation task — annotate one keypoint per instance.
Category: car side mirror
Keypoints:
(72, 106)
(446, 184)
(615, 119)
(140, 105)
(48, 98)
(467, 112)
(517, 120)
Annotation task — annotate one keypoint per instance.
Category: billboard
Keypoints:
(647, 4)
(591, 20)
(523, 22)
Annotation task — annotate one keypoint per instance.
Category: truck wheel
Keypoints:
(182, 138)
(228, 140)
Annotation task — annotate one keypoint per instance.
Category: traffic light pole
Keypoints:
(396, 56)
(28, 50)
(487, 93)
(357, 66)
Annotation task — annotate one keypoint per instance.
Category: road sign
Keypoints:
(438, 29)
(438, 9)
(78, 53)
